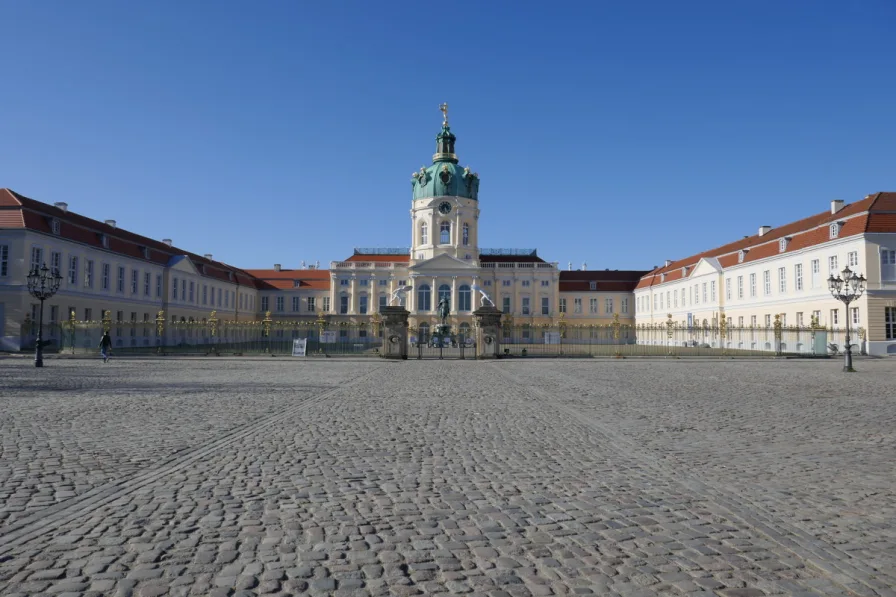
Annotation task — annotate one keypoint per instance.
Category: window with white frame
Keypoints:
(264, 303)
(683, 295)
(854, 312)
(704, 293)
(712, 290)
(506, 283)
(73, 269)
(505, 304)
(592, 285)
(120, 281)
(577, 305)
(526, 283)
(364, 282)
(695, 292)
(625, 304)
(852, 258)
(656, 302)
(767, 282)
(445, 233)
(752, 285)
(343, 282)
(296, 303)
(768, 321)
(753, 321)
(832, 264)
(562, 305)
(135, 281)
(887, 265)
(727, 289)
(466, 234)
(464, 298)
(740, 321)
(608, 306)
(192, 289)
(890, 323)
(782, 245)
(799, 318)
(159, 282)
(147, 284)
(384, 282)
(740, 287)
(37, 257)
(782, 280)
(383, 301)
(835, 316)
(485, 283)
(815, 270)
(88, 274)
(362, 303)
(661, 301)
(311, 304)
(798, 276)
(835, 230)
(592, 305)
(668, 299)
(526, 310)
(106, 276)
(343, 304)
(424, 233)
(56, 262)
(174, 288)
(326, 304)
(4, 261)
(545, 306)
(545, 283)
(674, 299)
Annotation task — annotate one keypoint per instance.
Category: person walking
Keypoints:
(105, 346)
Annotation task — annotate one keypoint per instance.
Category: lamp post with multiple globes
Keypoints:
(847, 290)
(42, 284)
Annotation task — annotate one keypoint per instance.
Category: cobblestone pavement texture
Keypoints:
(284, 477)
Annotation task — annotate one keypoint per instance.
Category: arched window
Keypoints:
(464, 298)
(424, 298)
(445, 292)
(424, 333)
(466, 234)
(445, 233)
(424, 233)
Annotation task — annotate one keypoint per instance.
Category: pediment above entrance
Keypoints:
(707, 265)
(443, 263)
(184, 264)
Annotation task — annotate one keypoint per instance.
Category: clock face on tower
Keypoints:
(444, 207)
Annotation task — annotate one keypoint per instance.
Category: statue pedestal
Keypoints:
(488, 344)
(395, 332)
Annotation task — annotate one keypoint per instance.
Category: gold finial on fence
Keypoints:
(266, 323)
(213, 324)
(107, 321)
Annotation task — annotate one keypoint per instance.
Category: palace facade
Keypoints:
(778, 271)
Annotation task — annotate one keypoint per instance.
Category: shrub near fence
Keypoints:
(276, 337)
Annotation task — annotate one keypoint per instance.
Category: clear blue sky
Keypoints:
(617, 133)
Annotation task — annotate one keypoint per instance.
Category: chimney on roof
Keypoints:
(62, 206)
(208, 256)
(667, 263)
(276, 267)
(836, 205)
(569, 266)
(763, 230)
(110, 223)
(167, 241)
(584, 266)
(317, 264)
(303, 264)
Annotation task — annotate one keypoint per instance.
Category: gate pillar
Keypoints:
(488, 345)
(395, 332)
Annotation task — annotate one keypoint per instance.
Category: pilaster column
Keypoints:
(373, 302)
(454, 294)
(474, 298)
(434, 295)
(412, 295)
(353, 300)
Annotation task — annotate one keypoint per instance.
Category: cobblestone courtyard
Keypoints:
(364, 477)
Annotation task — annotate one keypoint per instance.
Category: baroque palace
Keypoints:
(779, 271)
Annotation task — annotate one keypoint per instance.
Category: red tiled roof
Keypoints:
(18, 211)
(585, 286)
(403, 257)
(283, 279)
(590, 274)
(861, 216)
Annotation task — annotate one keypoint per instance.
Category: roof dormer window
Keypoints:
(684, 272)
(146, 252)
(296, 283)
(662, 277)
(593, 285)
(782, 244)
(741, 255)
(104, 241)
(835, 229)
(230, 276)
(55, 225)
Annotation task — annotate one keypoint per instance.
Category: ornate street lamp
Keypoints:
(847, 290)
(42, 284)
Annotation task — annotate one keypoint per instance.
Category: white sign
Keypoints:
(299, 346)
(552, 337)
(328, 337)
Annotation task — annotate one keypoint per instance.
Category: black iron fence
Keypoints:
(278, 337)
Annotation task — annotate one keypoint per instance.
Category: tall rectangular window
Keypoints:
(219, 296)
(279, 304)
(727, 289)
(625, 304)
(384, 302)
(545, 306)
(890, 323)
(782, 280)
(192, 288)
(73, 269)
(205, 294)
(56, 262)
(120, 281)
(608, 306)
(712, 290)
(88, 274)
(135, 281)
(704, 293)
(815, 269)
(264, 303)
(326, 305)
(832, 264)
(211, 297)
(752, 285)
(174, 288)
(562, 305)
(147, 284)
(577, 304)
(4, 261)
(158, 285)
(311, 304)
(767, 282)
(798, 276)
(526, 310)
(740, 287)
(37, 257)
(854, 313)
(835, 317)
(88, 314)
(592, 305)
(296, 303)
(106, 275)
(852, 258)
(888, 265)
(362, 304)
(343, 304)
(505, 306)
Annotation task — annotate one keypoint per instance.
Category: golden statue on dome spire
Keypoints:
(443, 108)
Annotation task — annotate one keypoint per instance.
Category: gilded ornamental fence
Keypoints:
(270, 336)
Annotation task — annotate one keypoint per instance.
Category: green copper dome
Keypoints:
(445, 177)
